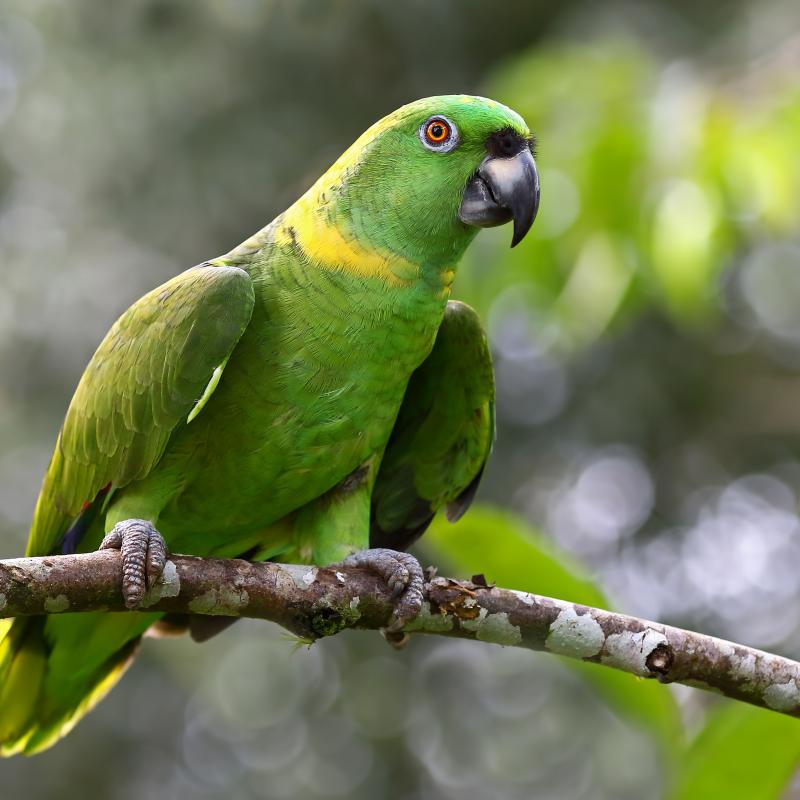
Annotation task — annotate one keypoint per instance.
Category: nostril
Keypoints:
(505, 144)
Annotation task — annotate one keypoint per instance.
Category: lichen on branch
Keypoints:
(314, 602)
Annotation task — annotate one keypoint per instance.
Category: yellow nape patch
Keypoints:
(331, 246)
(328, 243)
(328, 246)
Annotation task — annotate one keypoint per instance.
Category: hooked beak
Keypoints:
(503, 188)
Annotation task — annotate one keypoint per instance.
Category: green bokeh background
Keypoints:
(646, 337)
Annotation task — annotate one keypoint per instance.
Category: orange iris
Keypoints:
(437, 131)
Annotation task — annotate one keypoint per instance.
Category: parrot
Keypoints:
(313, 396)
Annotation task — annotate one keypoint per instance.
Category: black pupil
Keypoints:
(437, 130)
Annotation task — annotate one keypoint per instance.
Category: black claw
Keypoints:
(397, 639)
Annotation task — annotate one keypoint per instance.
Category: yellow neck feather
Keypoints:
(330, 244)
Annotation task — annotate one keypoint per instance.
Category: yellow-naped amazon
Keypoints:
(308, 396)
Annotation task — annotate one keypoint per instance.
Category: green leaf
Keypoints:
(511, 553)
(742, 751)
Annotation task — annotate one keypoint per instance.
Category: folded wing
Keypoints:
(442, 436)
(154, 370)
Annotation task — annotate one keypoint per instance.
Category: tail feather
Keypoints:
(62, 718)
(22, 665)
(55, 669)
(5, 629)
(41, 696)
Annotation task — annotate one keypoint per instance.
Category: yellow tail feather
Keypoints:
(23, 660)
(32, 720)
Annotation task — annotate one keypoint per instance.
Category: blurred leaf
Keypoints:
(654, 177)
(509, 551)
(742, 751)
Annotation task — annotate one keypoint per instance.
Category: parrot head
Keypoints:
(419, 183)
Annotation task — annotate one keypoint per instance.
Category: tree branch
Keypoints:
(313, 602)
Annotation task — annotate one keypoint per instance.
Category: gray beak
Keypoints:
(503, 189)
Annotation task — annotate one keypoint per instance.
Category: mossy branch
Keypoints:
(313, 602)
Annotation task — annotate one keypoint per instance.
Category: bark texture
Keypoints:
(312, 602)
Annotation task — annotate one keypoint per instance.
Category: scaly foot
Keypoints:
(403, 576)
(144, 554)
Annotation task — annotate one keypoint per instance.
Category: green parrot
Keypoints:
(311, 397)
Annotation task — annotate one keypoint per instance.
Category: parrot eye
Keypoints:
(438, 133)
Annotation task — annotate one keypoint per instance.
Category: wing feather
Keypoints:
(142, 382)
(442, 436)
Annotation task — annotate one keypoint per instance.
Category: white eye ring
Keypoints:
(447, 144)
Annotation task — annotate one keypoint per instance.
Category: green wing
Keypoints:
(442, 437)
(154, 370)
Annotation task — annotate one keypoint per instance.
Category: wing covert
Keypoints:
(146, 377)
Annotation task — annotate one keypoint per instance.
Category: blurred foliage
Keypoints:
(741, 752)
(646, 338)
(655, 178)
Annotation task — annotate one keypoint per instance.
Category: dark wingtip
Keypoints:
(458, 507)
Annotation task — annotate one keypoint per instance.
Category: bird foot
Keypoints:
(144, 554)
(403, 576)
